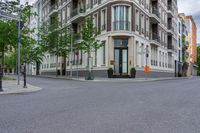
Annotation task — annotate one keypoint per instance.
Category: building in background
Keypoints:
(192, 49)
(180, 51)
(35, 22)
(189, 43)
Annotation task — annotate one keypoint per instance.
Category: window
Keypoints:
(121, 18)
(137, 52)
(104, 53)
(95, 2)
(137, 19)
(103, 19)
(95, 20)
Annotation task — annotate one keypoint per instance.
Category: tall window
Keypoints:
(95, 21)
(104, 53)
(103, 19)
(121, 18)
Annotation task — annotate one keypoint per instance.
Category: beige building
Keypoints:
(129, 29)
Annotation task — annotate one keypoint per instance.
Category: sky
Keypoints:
(189, 7)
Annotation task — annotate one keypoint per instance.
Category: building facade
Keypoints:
(34, 23)
(189, 42)
(128, 28)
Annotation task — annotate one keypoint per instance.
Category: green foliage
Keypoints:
(8, 78)
(10, 60)
(198, 59)
(184, 49)
(89, 41)
(9, 37)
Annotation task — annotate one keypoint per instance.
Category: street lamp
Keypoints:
(71, 51)
(1, 75)
(19, 45)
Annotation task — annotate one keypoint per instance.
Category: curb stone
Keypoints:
(8, 89)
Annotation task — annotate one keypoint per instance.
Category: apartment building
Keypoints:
(180, 52)
(192, 49)
(189, 44)
(129, 29)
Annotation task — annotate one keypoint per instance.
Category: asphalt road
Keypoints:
(63, 106)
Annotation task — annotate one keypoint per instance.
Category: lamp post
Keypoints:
(71, 51)
(1, 75)
(24, 72)
(19, 45)
(147, 56)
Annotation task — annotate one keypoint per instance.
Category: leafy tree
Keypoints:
(56, 41)
(9, 34)
(89, 42)
(198, 59)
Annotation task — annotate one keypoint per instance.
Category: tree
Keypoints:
(198, 60)
(9, 28)
(56, 41)
(89, 42)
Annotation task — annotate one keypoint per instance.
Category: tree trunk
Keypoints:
(64, 65)
(95, 57)
(37, 68)
(3, 53)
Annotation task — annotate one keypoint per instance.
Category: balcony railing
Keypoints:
(155, 11)
(170, 8)
(103, 27)
(53, 7)
(155, 37)
(170, 46)
(121, 25)
(77, 11)
(170, 27)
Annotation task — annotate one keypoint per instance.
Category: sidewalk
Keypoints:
(99, 79)
(11, 87)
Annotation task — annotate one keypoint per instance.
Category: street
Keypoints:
(67, 106)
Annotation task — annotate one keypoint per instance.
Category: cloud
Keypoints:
(191, 7)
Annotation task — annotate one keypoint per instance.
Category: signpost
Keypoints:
(147, 68)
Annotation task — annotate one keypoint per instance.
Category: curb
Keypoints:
(21, 91)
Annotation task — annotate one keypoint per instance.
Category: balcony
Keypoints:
(155, 39)
(103, 27)
(170, 10)
(170, 29)
(121, 26)
(155, 15)
(78, 13)
(53, 9)
(171, 47)
(77, 38)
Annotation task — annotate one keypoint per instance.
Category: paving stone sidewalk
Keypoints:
(11, 87)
